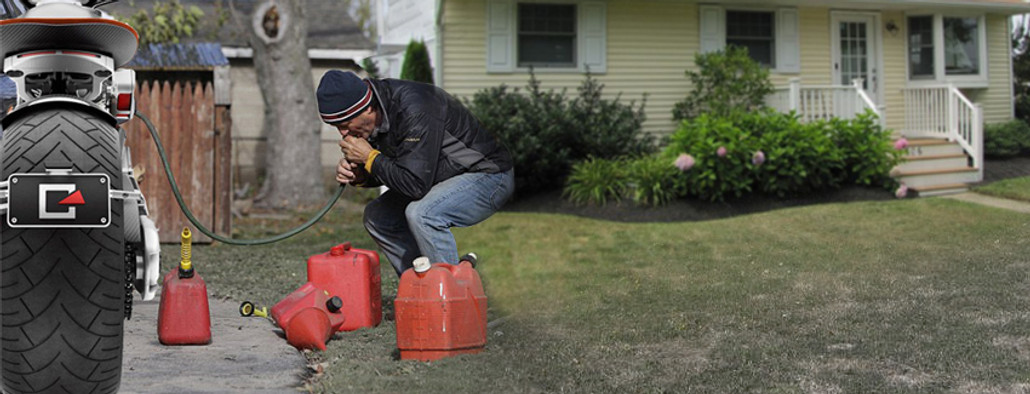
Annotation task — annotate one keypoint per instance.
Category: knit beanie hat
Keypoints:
(342, 95)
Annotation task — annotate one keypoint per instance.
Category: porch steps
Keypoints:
(935, 167)
(948, 188)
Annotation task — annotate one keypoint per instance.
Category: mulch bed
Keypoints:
(699, 210)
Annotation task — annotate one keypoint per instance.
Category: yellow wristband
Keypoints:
(371, 157)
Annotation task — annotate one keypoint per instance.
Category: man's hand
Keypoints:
(355, 150)
(349, 173)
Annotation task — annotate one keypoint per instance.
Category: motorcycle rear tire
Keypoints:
(62, 290)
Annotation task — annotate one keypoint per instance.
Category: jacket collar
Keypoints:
(383, 127)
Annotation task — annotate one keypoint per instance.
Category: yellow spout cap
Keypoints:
(186, 250)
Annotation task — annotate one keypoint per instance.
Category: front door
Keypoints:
(855, 53)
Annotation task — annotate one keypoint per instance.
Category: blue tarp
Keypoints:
(7, 88)
(193, 56)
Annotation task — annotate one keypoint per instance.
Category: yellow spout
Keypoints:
(186, 250)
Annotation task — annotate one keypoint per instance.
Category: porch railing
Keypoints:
(944, 112)
(823, 102)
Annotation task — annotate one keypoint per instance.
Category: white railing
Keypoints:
(944, 112)
(823, 102)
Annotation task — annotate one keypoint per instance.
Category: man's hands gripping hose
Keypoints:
(349, 173)
(355, 150)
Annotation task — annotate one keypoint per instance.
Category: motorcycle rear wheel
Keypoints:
(62, 291)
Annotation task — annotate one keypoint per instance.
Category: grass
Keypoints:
(899, 296)
(1013, 188)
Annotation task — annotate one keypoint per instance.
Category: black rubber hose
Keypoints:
(189, 215)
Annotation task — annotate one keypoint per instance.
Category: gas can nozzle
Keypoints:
(186, 252)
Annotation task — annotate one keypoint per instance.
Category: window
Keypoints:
(565, 36)
(961, 46)
(947, 48)
(547, 35)
(755, 31)
(920, 47)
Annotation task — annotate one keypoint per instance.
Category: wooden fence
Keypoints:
(196, 137)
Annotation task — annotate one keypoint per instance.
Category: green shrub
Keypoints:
(867, 149)
(596, 181)
(800, 157)
(416, 65)
(1005, 140)
(370, 67)
(546, 132)
(651, 180)
(713, 176)
(725, 82)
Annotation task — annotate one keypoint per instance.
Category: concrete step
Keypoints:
(932, 147)
(940, 190)
(931, 162)
(935, 177)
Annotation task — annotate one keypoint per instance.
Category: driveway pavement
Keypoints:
(246, 355)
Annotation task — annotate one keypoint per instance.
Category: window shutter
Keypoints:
(788, 46)
(500, 36)
(592, 32)
(713, 28)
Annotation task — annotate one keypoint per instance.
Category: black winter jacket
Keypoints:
(427, 136)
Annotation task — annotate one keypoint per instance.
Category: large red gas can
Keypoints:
(183, 316)
(353, 275)
(309, 316)
(440, 311)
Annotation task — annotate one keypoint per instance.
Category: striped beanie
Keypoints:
(342, 95)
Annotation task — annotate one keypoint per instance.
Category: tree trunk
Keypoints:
(278, 35)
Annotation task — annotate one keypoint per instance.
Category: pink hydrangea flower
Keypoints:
(721, 151)
(902, 192)
(900, 144)
(758, 158)
(684, 162)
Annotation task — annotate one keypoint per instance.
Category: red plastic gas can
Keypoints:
(309, 316)
(353, 275)
(440, 311)
(183, 316)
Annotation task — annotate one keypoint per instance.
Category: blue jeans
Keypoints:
(406, 229)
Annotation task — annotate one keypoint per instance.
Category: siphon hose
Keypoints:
(189, 215)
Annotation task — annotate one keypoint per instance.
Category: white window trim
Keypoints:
(580, 66)
(980, 80)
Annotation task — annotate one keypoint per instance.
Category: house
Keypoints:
(935, 70)
(334, 42)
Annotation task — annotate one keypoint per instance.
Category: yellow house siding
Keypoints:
(895, 71)
(815, 46)
(650, 46)
(651, 43)
(996, 100)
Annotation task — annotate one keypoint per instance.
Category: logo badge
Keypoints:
(58, 200)
(44, 197)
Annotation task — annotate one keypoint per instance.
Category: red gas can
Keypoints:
(353, 275)
(308, 317)
(183, 316)
(440, 311)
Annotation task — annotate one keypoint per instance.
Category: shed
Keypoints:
(184, 90)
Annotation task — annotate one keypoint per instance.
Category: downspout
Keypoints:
(438, 48)
(1012, 74)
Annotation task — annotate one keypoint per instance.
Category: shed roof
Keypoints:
(179, 57)
(329, 25)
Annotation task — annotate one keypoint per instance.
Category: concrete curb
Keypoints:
(977, 198)
(246, 355)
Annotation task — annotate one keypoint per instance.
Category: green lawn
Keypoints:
(1014, 188)
(908, 295)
